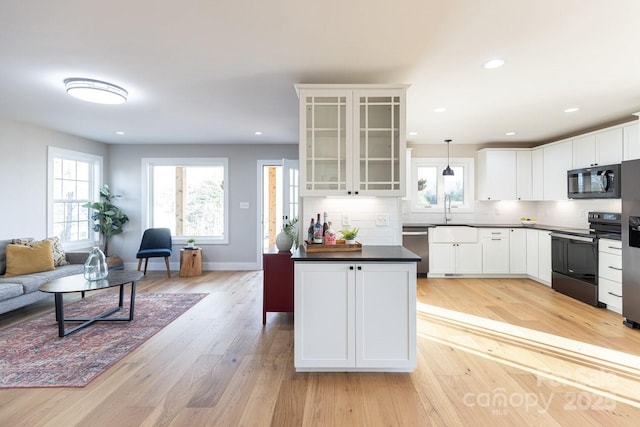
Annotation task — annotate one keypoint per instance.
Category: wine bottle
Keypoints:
(317, 231)
(310, 231)
(325, 226)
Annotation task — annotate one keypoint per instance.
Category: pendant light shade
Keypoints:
(448, 171)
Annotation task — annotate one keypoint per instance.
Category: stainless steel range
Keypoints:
(574, 257)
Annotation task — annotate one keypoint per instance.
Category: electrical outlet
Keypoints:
(346, 220)
(382, 220)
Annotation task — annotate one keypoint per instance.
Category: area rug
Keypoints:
(32, 354)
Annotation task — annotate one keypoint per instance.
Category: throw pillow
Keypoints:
(22, 259)
(59, 257)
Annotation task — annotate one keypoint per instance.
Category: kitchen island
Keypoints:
(355, 311)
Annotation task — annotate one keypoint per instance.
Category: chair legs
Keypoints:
(146, 261)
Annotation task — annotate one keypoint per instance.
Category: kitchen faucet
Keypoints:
(447, 208)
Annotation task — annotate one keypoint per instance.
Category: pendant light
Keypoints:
(448, 171)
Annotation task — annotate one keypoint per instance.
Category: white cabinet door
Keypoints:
(544, 257)
(533, 263)
(468, 258)
(609, 146)
(631, 138)
(584, 151)
(517, 251)
(442, 258)
(386, 316)
(537, 174)
(524, 182)
(557, 161)
(495, 255)
(496, 174)
(324, 322)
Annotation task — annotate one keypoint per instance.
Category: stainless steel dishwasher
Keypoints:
(416, 239)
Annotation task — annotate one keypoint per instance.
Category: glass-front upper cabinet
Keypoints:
(352, 140)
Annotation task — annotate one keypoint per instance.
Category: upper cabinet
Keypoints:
(557, 161)
(600, 148)
(352, 140)
(631, 140)
(504, 174)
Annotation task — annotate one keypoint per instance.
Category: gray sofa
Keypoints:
(18, 291)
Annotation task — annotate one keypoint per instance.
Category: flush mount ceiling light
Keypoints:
(439, 110)
(448, 171)
(494, 63)
(571, 110)
(510, 133)
(95, 91)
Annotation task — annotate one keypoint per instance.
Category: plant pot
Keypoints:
(350, 241)
(284, 242)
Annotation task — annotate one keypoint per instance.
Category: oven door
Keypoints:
(574, 261)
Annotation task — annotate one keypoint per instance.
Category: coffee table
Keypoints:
(77, 283)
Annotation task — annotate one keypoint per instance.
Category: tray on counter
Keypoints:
(340, 246)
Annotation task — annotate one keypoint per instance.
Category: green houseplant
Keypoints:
(109, 219)
(350, 234)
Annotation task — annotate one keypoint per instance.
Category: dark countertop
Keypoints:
(369, 253)
(553, 228)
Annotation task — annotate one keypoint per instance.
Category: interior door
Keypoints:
(290, 191)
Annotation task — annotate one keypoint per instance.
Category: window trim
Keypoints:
(147, 166)
(96, 162)
(441, 163)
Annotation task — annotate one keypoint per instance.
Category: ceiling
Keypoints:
(203, 71)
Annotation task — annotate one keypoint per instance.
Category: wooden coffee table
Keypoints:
(78, 283)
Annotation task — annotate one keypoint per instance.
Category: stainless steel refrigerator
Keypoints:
(631, 243)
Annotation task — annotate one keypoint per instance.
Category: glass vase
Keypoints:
(95, 267)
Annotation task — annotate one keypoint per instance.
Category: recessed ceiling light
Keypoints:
(95, 91)
(494, 63)
(510, 133)
(413, 133)
(571, 110)
(439, 110)
(257, 132)
(119, 132)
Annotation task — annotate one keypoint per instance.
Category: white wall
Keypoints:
(23, 175)
(241, 253)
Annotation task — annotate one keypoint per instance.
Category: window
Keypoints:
(74, 179)
(428, 185)
(189, 196)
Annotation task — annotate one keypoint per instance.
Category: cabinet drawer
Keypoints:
(494, 233)
(453, 234)
(610, 266)
(610, 246)
(610, 293)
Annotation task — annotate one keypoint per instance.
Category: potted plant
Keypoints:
(288, 237)
(109, 219)
(350, 235)
(191, 242)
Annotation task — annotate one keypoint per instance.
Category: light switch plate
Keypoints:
(382, 220)
(346, 219)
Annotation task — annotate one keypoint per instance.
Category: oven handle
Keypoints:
(572, 237)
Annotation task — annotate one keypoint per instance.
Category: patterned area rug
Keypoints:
(32, 354)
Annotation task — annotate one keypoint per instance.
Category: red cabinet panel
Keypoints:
(277, 283)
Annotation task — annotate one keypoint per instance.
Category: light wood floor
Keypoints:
(490, 353)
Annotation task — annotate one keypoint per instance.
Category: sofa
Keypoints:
(18, 291)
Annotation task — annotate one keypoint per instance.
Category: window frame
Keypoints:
(441, 163)
(95, 183)
(147, 181)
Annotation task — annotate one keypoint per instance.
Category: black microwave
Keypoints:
(596, 182)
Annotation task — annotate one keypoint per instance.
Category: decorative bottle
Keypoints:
(310, 232)
(95, 267)
(325, 226)
(330, 235)
(317, 231)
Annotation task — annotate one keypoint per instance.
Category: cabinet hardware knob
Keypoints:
(351, 267)
(359, 268)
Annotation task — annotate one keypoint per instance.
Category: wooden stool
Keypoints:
(190, 262)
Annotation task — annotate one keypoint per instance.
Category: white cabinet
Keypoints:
(504, 174)
(517, 251)
(537, 174)
(539, 255)
(352, 140)
(610, 274)
(496, 174)
(599, 148)
(355, 317)
(454, 250)
(495, 250)
(557, 161)
(631, 140)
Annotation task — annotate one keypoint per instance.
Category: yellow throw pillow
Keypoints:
(29, 259)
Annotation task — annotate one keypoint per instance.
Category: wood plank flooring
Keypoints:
(491, 352)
